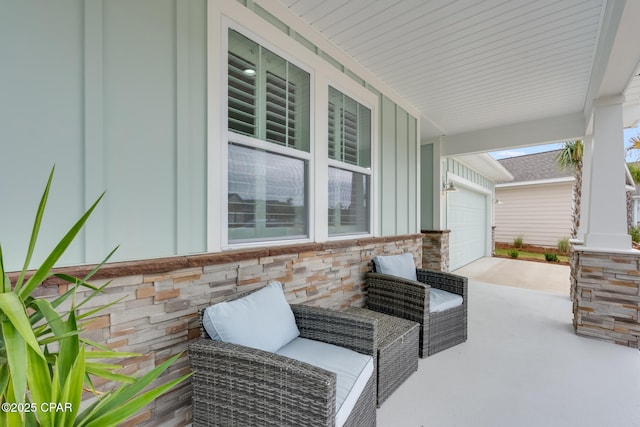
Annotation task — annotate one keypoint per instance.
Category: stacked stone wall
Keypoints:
(435, 250)
(606, 296)
(157, 313)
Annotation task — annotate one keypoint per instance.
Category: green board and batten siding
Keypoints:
(426, 188)
(398, 170)
(114, 93)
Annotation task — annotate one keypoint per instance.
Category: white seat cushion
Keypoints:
(440, 300)
(352, 369)
(262, 320)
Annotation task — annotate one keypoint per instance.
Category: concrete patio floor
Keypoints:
(521, 366)
(539, 276)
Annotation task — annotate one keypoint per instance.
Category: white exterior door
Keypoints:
(467, 219)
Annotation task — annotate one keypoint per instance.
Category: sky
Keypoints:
(632, 155)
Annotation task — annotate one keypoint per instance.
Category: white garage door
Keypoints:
(467, 220)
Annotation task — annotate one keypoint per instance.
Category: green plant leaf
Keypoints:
(107, 373)
(125, 393)
(134, 405)
(45, 268)
(54, 321)
(35, 231)
(72, 391)
(57, 338)
(99, 266)
(17, 359)
(13, 418)
(95, 344)
(98, 309)
(76, 282)
(5, 283)
(109, 354)
(39, 379)
(69, 348)
(4, 378)
(13, 309)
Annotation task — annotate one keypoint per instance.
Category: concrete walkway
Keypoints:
(537, 276)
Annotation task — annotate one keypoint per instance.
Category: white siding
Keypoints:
(541, 214)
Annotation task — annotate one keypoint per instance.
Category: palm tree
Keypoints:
(571, 158)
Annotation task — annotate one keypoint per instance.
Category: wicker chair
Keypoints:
(409, 299)
(235, 385)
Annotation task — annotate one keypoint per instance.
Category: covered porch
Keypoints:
(134, 98)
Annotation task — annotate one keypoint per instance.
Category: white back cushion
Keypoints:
(262, 320)
(396, 265)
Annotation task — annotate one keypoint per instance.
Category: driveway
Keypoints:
(533, 275)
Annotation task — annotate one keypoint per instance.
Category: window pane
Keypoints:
(269, 97)
(267, 195)
(287, 102)
(242, 70)
(348, 202)
(349, 130)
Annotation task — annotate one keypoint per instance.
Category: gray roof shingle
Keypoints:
(535, 167)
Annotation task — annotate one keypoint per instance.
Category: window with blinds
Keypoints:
(268, 101)
(242, 96)
(268, 96)
(349, 145)
(349, 130)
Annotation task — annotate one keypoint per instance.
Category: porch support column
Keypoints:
(607, 203)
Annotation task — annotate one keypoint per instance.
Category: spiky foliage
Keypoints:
(45, 364)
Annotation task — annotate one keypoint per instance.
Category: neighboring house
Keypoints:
(537, 203)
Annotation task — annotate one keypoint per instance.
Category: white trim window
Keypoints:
(269, 144)
(349, 178)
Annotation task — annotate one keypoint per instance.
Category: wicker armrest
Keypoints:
(245, 386)
(445, 281)
(399, 297)
(352, 331)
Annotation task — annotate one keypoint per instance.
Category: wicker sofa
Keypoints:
(410, 299)
(234, 385)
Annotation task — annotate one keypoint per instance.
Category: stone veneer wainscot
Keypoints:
(605, 289)
(158, 315)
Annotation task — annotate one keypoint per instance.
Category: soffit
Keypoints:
(487, 166)
(469, 64)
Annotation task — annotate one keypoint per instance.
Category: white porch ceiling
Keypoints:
(468, 65)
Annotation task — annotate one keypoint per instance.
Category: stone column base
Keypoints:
(435, 250)
(605, 291)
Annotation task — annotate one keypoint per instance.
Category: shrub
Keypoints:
(45, 363)
(551, 257)
(517, 242)
(563, 246)
(514, 253)
(635, 233)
